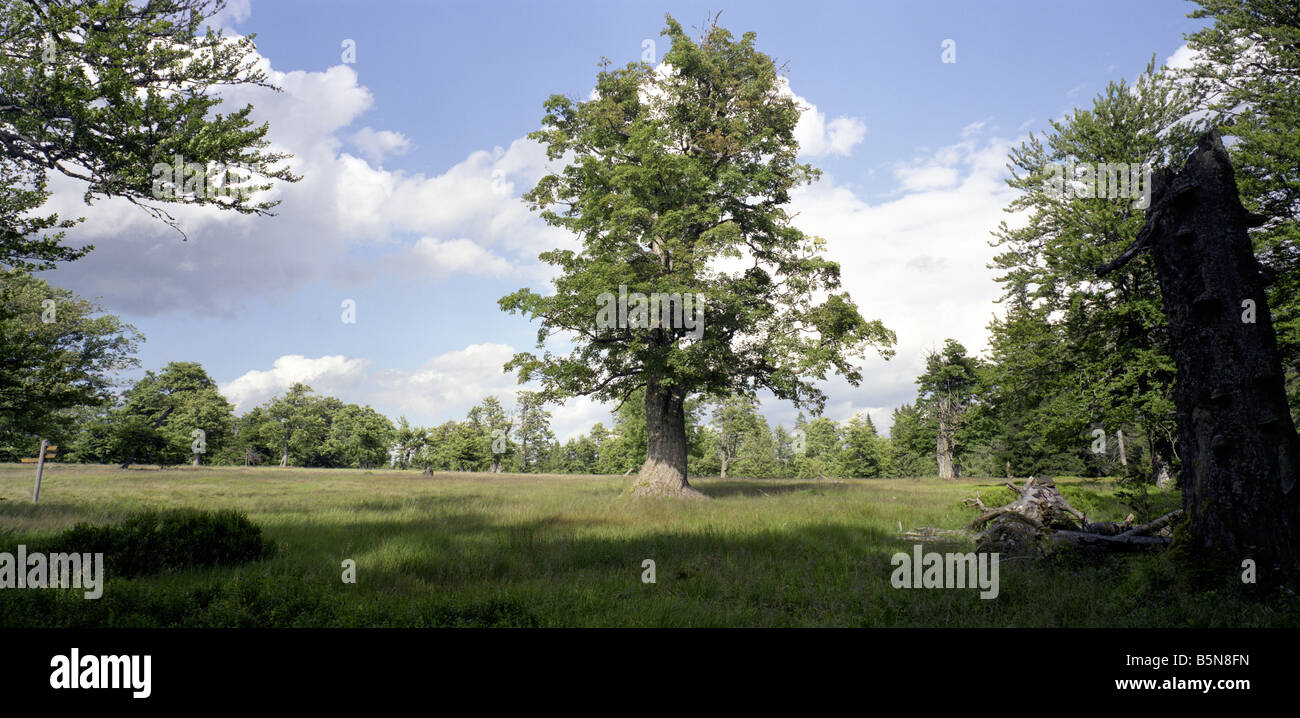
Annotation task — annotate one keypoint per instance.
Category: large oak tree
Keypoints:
(675, 181)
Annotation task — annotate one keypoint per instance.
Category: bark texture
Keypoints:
(664, 470)
(1236, 438)
(945, 439)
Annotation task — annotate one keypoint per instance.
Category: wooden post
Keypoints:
(40, 468)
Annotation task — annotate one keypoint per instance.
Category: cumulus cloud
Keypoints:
(344, 202)
(917, 260)
(818, 137)
(1182, 58)
(235, 11)
(334, 375)
(376, 145)
(925, 177)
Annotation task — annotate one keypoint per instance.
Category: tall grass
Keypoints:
(524, 550)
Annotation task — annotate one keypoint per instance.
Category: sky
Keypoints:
(409, 120)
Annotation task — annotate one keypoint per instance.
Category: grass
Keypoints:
(542, 550)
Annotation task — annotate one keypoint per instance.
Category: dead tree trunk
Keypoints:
(1236, 439)
(1041, 518)
(944, 439)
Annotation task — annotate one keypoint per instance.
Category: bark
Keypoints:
(664, 470)
(1236, 437)
(943, 452)
(284, 456)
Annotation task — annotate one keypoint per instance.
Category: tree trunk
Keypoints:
(284, 456)
(943, 453)
(1162, 474)
(724, 465)
(196, 458)
(664, 470)
(1236, 438)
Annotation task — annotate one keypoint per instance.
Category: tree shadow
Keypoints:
(723, 488)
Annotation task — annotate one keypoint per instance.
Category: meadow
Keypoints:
(470, 549)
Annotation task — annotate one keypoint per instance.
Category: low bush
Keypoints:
(153, 542)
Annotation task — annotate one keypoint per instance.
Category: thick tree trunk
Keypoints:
(1236, 438)
(284, 456)
(943, 448)
(664, 470)
(724, 465)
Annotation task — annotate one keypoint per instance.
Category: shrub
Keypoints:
(153, 542)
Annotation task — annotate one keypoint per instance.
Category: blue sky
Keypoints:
(414, 158)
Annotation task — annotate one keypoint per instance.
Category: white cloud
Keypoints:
(439, 258)
(376, 145)
(973, 128)
(915, 260)
(928, 177)
(818, 137)
(141, 266)
(334, 375)
(235, 11)
(1184, 57)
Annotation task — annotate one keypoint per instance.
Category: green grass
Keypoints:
(523, 550)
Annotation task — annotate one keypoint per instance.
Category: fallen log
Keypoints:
(1108, 543)
(1041, 518)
